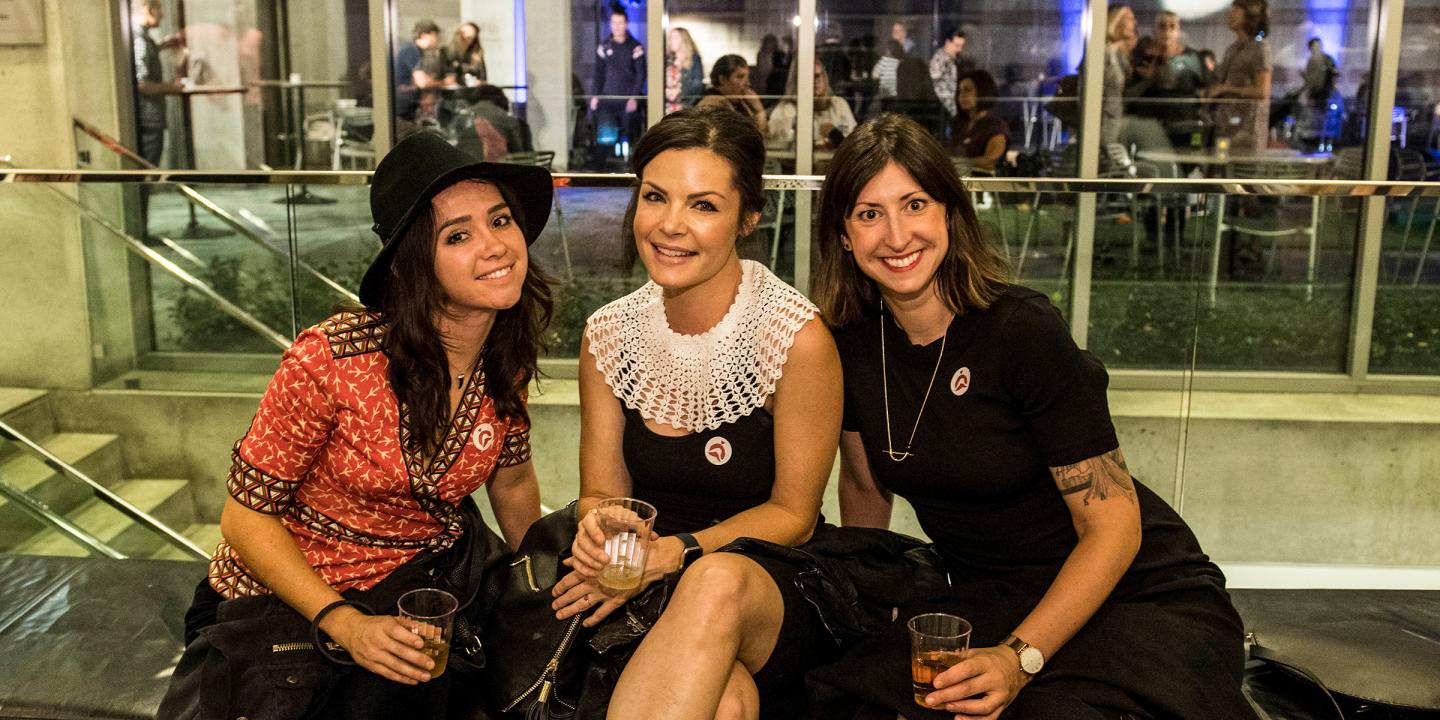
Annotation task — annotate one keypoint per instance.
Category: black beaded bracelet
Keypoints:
(321, 646)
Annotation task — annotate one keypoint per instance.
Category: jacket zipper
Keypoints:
(547, 677)
(529, 572)
(291, 647)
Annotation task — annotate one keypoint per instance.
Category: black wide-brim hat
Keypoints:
(422, 166)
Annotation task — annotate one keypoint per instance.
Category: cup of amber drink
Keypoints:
(937, 642)
(430, 613)
(626, 523)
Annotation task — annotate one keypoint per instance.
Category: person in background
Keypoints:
(884, 70)
(978, 135)
(730, 87)
(943, 69)
(418, 74)
(1013, 94)
(684, 71)
(915, 97)
(1179, 79)
(464, 59)
(619, 85)
(487, 119)
(901, 34)
(1315, 119)
(151, 88)
(765, 64)
(1242, 80)
(833, 117)
(1120, 40)
(1207, 61)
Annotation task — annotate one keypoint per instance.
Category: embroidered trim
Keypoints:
(323, 524)
(256, 489)
(229, 577)
(354, 333)
(699, 382)
(516, 450)
(425, 480)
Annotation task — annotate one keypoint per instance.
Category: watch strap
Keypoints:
(691, 551)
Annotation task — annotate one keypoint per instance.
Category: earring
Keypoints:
(847, 247)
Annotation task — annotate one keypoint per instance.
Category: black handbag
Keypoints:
(262, 660)
(527, 647)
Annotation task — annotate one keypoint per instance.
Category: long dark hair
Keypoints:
(717, 129)
(724, 68)
(420, 373)
(972, 273)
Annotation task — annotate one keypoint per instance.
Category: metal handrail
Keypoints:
(45, 516)
(106, 495)
(1228, 186)
(269, 243)
(134, 245)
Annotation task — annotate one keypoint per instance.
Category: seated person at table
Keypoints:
(833, 119)
(978, 134)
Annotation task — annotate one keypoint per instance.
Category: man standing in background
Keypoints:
(619, 83)
(417, 68)
(944, 67)
(150, 84)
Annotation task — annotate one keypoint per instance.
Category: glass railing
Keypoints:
(1251, 327)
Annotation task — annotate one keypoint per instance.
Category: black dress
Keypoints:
(698, 480)
(1014, 396)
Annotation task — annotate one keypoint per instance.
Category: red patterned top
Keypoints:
(326, 454)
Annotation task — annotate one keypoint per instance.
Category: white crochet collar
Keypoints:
(699, 382)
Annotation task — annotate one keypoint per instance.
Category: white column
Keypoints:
(547, 73)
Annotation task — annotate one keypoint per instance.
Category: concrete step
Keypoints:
(28, 411)
(95, 454)
(166, 500)
(206, 535)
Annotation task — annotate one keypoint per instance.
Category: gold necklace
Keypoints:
(885, 385)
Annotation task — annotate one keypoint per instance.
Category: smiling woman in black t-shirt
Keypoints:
(965, 395)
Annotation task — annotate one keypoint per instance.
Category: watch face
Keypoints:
(1031, 660)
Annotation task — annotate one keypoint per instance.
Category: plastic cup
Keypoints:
(627, 524)
(430, 613)
(937, 642)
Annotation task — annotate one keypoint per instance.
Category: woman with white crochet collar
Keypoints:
(690, 388)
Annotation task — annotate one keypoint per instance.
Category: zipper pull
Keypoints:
(549, 680)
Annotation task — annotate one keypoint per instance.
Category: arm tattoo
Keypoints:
(1099, 477)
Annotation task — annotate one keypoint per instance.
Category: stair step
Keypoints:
(95, 454)
(166, 500)
(206, 535)
(29, 412)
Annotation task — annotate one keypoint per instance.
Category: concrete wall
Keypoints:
(42, 279)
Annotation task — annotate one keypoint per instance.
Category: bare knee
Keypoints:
(714, 591)
(741, 700)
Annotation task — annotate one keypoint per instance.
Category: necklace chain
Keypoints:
(885, 385)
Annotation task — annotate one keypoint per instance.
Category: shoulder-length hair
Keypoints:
(718, 129)
(420, 373)
(972, 273)
(986, 91)
(471, 52)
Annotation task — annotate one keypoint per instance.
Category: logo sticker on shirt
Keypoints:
(718, 450)
(483, 437)
(960, 381)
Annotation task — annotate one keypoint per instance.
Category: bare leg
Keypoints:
(726, 610)
(741, 700)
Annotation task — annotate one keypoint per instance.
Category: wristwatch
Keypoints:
(1031, 659)
(692, 550)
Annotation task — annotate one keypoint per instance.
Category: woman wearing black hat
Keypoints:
(353, 481)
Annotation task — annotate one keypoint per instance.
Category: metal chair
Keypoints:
(1281, 224)
(353, 127)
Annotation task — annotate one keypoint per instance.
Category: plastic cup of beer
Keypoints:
(937, 642)
(626, 523)
(430, 613)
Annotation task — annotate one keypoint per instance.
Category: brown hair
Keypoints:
(972, 273)
(717, 129)
(1257, 17)
(419, 370)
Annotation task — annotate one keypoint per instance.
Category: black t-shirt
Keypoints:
(1014, 396)
(970, 140)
